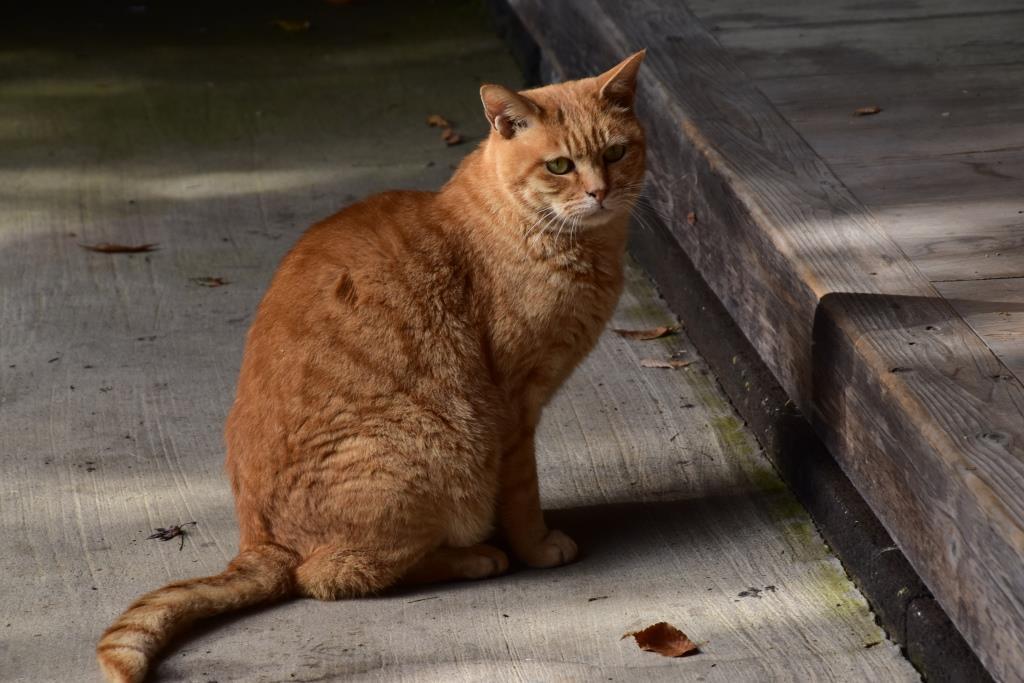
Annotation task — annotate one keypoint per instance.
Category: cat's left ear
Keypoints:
(507, 111)
(618, 84)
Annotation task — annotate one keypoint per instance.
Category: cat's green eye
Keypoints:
(560, 166)
(614, 152)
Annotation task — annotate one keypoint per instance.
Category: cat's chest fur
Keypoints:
(550, 309)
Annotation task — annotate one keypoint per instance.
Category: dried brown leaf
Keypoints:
(666, 364)
(112, 248)
(210, 281)
(292, 25)
(665, 639)
(645, 335)
(866, 111)
(438, 121)
(450, 137)
(691, 218)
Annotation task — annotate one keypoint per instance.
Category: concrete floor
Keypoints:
(220, 141)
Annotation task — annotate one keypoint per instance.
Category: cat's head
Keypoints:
(571, 153)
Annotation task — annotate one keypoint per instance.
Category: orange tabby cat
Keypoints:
(397, 367)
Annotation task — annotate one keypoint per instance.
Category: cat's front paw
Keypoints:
(485, 561)
(554, 550)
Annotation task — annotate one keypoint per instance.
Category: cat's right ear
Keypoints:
(507, 111)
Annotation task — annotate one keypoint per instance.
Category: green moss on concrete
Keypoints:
(840, 595)
(732, 434)
(764, 482)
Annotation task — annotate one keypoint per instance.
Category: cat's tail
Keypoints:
(259, 574)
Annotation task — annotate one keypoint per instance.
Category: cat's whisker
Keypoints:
(642, 223)
(533, 229)
(561, 224)
(567, 225)
(571, 230)
(644, 203)
(546, 215)
(550, 223)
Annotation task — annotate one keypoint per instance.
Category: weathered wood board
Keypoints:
(117, 372)
(923, 417)
(953, 111)
(995, 309)
(942, 165)
(843, 49)
(752, 14)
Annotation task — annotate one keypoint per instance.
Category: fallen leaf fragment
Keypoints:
(667, 364)
(691, 218)
(450, 137)
(210, 281)
(665, 639)
(438, 121)
(866, 111)
(292, 25)
(112, 248)
(646, 335)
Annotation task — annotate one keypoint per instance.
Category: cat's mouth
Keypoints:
(575, 217)
(592, 214)
(565, 222)
(596, 217)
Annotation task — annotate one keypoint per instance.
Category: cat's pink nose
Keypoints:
(599, 194)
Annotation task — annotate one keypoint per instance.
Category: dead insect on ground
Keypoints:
(167, 533)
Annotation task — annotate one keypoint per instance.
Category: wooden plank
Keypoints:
(901, 388)
(956, 216)
(946, 188)
(937, 112)
(962, 123)
(962, 238)
(995, 309)
(939, 89)
(674, 507)
(980, 176)
(745, 14)
(954, 129)
(924, 43)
